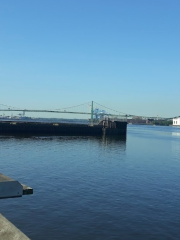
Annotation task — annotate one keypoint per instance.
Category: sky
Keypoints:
(123, 54)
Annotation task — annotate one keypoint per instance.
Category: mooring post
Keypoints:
(92, 113)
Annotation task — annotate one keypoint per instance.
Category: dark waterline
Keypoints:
(96, 187)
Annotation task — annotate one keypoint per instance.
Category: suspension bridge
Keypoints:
(95, 110)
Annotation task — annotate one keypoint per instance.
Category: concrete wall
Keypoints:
(9, 232)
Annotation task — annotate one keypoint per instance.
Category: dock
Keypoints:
(10, 188)
(9, 232)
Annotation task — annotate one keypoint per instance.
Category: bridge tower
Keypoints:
(92, 113)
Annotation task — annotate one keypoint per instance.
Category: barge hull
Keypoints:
(37, 128)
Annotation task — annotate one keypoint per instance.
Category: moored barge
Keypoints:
(105, 127)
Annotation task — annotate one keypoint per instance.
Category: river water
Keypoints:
(95, 187)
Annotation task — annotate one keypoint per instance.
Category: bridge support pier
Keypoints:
(92, 122)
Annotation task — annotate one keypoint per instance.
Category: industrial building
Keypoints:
(176, 121)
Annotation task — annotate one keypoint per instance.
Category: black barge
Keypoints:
(105, 127)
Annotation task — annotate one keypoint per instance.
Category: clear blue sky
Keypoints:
(124, 54)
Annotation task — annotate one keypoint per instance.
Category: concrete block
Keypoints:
(11, 188)
(9, 232)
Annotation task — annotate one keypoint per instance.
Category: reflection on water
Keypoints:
(176, 134)
(176, 150)
(114, 139)
(104, 140)
(116, 143)
(175, 145)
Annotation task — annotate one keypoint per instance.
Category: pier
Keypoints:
(10, 188)
(9, 232)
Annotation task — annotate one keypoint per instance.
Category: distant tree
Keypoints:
(162, 122)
